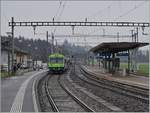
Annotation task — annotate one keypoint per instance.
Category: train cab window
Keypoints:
(59, 60)
(53, 60)
(56, 60)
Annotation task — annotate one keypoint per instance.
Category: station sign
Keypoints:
(104, 54)
(122, 54)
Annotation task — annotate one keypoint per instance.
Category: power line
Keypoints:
(97, 35)
(58, 9)
(60, 15)
(131, 10)
(54, 18)
(100, 11)
(62, 10)
(124, 13)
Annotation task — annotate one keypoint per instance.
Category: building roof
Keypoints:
(114, 47)
(18, 50)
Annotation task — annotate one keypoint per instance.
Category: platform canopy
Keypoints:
(114, 47)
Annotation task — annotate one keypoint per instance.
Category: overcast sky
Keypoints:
(133, 11)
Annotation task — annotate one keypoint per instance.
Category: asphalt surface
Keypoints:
(16, 92)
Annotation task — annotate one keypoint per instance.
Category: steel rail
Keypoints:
(130, 93)
(52, 102)
(123, 84)
(50, 99)
(80, 102)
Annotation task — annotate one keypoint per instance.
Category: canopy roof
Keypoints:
(114, 47)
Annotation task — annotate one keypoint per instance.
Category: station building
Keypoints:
(108, 55)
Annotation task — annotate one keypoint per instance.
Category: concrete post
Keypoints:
(128, 61)
(52, 49)
(12, 31)
(47, 47)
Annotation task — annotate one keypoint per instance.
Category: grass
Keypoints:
(123, 65)
(5, 74)
(143, 68)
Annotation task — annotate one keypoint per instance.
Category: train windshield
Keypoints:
(56, 60)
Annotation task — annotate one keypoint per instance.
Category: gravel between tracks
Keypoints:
(42, 97)
(63, 100)
(87, 97)
(126, 103)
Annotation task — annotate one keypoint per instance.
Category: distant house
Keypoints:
(20, 56)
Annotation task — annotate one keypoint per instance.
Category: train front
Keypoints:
(56, 63)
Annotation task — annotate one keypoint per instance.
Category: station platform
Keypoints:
(139, 81)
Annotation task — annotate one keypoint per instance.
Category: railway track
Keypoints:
(56, 97)
(125, 89)
(97, 103)
(127, 101)
(43, 101)
(56, 94)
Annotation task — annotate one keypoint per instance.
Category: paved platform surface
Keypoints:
(129, 79)
(16, 92)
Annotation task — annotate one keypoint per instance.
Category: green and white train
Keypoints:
(57, 63)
